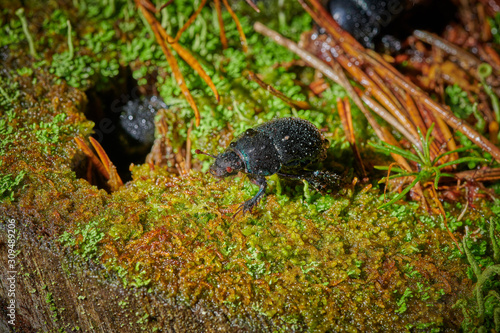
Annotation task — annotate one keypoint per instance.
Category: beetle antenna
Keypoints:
(197, 151)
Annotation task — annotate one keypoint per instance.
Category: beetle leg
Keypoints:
(319, 180)
(308, 176)
(248, 205)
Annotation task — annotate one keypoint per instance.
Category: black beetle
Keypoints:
(384, 23)
(364, 19)
(284, 146)
(137, 120)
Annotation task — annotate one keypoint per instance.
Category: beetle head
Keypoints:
(226, 164)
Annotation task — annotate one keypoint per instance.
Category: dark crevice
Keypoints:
(128, 139)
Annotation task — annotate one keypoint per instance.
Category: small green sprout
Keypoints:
(307, 191)
(429, 169)
(70, 42)
(50, 133)
(484, 70)
(402, 301)
(24, 22)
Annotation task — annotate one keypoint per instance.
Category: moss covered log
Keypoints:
(163, 252)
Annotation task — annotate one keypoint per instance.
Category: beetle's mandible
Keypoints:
(284, 146)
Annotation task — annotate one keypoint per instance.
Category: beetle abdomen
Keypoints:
(297, 141)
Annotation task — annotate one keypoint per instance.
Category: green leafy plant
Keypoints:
(487, 310)
(429, 168)
(462, 107)
(484, 70)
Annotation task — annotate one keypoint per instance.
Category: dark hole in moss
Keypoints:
(123, 114)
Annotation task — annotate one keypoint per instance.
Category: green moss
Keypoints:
(303, 260)
(50, 133)
(402, 301)
(483, 312)
(292, 265)
(53, 309)
(85, 239)
(9, 93)
(8, 183)
(11, 32)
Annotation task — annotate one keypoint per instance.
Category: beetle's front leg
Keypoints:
(248, 205)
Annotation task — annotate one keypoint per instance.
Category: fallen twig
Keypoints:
(296, 104)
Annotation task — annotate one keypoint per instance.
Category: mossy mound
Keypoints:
(304, 261)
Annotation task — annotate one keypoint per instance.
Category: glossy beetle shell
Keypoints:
(286, 143)
(364, 19)
(283, 146)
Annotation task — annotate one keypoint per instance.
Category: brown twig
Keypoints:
(415, 116)
(334, 72)
(222, 31)
(166, 4)
(160, 154)
(238, 26)
(308, 57)
(194, 64)
(387, 116)
(90, 154)
(161, 36)
(465, 59)
(389, 138)
(344, 109)
(323, 18)
(273, 91)
(383, 86)
(114, 179)
(361, 77)
(492, 55)
(188, 23)
(254, 6)
(481, 175)
(439, 110)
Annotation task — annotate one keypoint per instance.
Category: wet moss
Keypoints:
(303, 260)
(317, 265)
